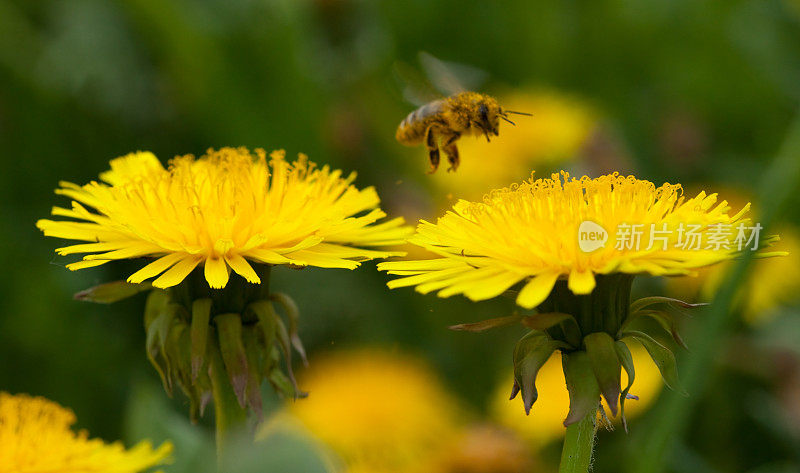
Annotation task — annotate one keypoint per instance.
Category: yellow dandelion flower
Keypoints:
(574, 247)
(380, 412)
(36, 437)
(544, 424)
(530, 233)
(561, 125)
(220, 221)
(224, 211)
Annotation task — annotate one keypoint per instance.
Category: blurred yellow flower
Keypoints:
(545, 422)
(768, 285)
(379, 412)
(224, 211)
(559, 128)
(35, 437)
(530, 233)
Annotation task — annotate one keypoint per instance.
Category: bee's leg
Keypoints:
(451, 150)
(433, 150)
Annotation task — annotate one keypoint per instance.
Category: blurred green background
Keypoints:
(697, 92)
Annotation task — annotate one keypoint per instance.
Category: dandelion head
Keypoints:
(36, 436)
(225, 211)
(530, 233)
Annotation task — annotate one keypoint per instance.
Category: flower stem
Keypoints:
(230, 417)
(576, 455)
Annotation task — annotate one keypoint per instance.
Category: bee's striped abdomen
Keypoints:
(412, 129)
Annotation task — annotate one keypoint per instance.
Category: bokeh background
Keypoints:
(698, 92)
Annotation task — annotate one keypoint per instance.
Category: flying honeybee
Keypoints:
(446, 120)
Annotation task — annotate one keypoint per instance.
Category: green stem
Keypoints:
(576, 455)
(230, 417)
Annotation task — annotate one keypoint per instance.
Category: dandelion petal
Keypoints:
(177, 273)
(216, 272)
(537, 290)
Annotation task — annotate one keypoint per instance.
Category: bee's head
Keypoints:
(489, 116)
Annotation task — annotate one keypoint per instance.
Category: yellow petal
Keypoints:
(156, 267)
(537, 290)
(426, 277)
(420, 265)
(493, 286)
(307, 257)
(457, 284)
(243, 268)
(216, 272)
(302, 245)
(134, 250)
(86, 264)
(88, 248)
(581, 282)
(174, 275)
(266, 256)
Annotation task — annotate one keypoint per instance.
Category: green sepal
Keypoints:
(584, 392)
(267, 324)
(229, 328)
(285, 345)
(172, 350)
(487, 324)
(662, 356)
(677, 303)
(283, 385)
(254, 356)
(201, 315)
(203, 384)
(626, 359)
(158, 316)
(110, 292)
(293, 316)
(547, 320)
(530, 353)
(193, 386)
(665, 319)
(606, 366)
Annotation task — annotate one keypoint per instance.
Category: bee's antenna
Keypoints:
(509, 121)
(518, 113)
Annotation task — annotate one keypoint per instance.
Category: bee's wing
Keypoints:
(416, 89)
(451, 77)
